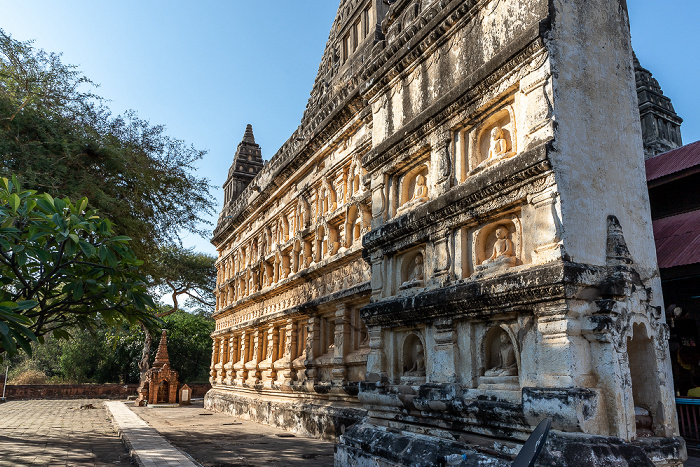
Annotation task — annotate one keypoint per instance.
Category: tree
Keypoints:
(60, 139)
(180, 272)
(110, 353)
(62, 266)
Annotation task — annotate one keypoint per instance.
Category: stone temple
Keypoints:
(455, 243)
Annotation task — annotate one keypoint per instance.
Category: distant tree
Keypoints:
(60, 139)
(189, 345)
(110, 354)
(180, 272)
(62, 266)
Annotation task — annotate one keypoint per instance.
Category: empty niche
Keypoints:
(413, 360)
(497, 246)
(354, 177)
(642, 360)
(492, 141)
(500, 358)
(413, 188)
(298, 256)
(353, 225)
(321, 243)
(412, 269)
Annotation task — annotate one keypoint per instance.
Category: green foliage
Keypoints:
(111, 354)
(189, 345)
(181, 271)
(63, 141)
(61, 266)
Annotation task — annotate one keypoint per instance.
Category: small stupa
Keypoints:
(160, 386)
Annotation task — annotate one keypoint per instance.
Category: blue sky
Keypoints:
(206, 69)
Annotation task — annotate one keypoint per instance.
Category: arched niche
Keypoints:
(328, 200)
(413, 357)
(494, 139)
(254, 253)
(353, 225)
(413, 188)
(285, 263)
(354, 177)
(297, 254)
(500, 352)
(245, 260)
(649, 413)
(366, 217)
(308, 245)
(412, 269)
(498, 245)
(266, 236)
(284, 228)
(267, 274)
(321, 242)
(302, 213)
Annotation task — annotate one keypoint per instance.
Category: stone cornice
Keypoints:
(525, 290)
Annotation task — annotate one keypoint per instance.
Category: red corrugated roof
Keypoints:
(678, 239)
(673, 161)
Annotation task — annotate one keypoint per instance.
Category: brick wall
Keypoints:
(71, 391)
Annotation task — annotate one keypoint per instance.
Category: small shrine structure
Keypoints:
(161, 384)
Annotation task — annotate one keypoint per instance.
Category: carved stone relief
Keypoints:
(487, 143)
(497, 246)
(412, 269)
(413, 189)
(341, 278)
(500, 359)
(413, 360)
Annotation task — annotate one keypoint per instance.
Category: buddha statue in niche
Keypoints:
(507, 364)
(498, 148)
(420, 194)
(418, 367)
(502, 248)
(502, 253)
(499, 145)
(415, 276)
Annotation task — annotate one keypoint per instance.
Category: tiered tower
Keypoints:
(247, 162)
(661, 125)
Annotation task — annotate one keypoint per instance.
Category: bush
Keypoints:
(29, 377)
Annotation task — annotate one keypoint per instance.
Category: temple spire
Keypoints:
(661, 125)
(248, 137)
(162, 354)
(247, 163)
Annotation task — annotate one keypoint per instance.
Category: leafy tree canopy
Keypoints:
(60, 139)
(182, 271)
(111, 353)
(62, 266)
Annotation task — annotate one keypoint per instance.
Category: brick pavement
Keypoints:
(215, 440)
(58, 433)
